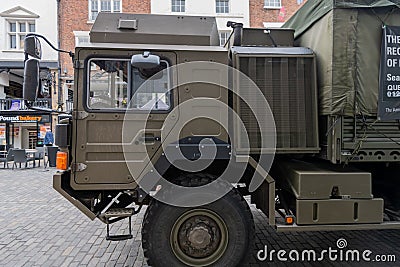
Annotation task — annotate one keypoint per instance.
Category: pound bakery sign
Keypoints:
(20, 118)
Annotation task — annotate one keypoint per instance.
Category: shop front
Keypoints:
(23, 129)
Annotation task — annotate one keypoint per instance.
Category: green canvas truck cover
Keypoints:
(346, 36)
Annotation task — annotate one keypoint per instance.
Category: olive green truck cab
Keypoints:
(161, 112)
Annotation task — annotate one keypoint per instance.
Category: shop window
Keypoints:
(3, 141)
(32, 138)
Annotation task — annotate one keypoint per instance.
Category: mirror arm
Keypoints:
(70, 53)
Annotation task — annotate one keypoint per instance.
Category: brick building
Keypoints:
(272, 13)
(75, 19)
(222, 10)
(77, 16)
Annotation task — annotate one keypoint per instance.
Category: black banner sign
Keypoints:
(389, 76)
(25, 118)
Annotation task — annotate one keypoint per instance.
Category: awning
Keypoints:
(5, 65)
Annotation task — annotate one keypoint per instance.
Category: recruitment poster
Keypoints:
(389, 78)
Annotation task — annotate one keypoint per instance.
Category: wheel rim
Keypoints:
(199, 237)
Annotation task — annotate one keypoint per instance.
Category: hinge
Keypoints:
(78, 167)
(79, 115)
(78, 64)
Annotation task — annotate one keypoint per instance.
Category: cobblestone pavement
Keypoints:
(38, 227)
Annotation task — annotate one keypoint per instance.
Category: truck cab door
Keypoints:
(111, 88)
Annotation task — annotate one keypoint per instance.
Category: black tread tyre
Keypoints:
(161, 219)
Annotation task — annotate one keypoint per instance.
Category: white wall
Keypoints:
(238, 10)
(46, 25)
(272, 24)
(4, 81)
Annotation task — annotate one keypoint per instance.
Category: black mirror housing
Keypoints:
(145, 61)
(31, 79)
(32, 47)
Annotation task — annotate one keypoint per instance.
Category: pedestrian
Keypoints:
(48, 138)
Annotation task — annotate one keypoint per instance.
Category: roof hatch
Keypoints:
(154, 29)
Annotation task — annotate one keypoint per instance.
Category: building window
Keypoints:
(96, 6)
(17, 31)
(272, 4)
(222, 6)
(223, 37)
(81, 37)
(82, 40)
(178, 6)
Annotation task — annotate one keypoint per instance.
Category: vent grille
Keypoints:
(371, 130)
(288, 84)
(367, 139)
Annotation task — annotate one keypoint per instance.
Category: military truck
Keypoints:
(150, 87)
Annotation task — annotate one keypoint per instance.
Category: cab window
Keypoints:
(115, 84)
(108, 83)
(150, 88)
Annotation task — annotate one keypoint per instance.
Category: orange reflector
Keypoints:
(62, 160)
(289, 220)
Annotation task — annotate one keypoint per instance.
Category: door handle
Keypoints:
(149, 138)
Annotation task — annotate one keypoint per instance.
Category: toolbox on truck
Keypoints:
(327, 194)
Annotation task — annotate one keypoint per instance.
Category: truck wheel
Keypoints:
(217, 234)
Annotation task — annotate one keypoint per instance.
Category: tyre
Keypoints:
(216, 234)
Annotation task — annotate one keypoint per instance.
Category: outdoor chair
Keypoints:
(9, 157)
(39, 155)
(21, 157)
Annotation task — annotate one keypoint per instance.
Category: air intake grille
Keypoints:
(371, 130)
(288, 84)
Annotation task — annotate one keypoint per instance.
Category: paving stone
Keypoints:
(38, 227)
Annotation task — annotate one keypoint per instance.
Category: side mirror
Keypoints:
(31, 79)
(32, 47)
(145, 61)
